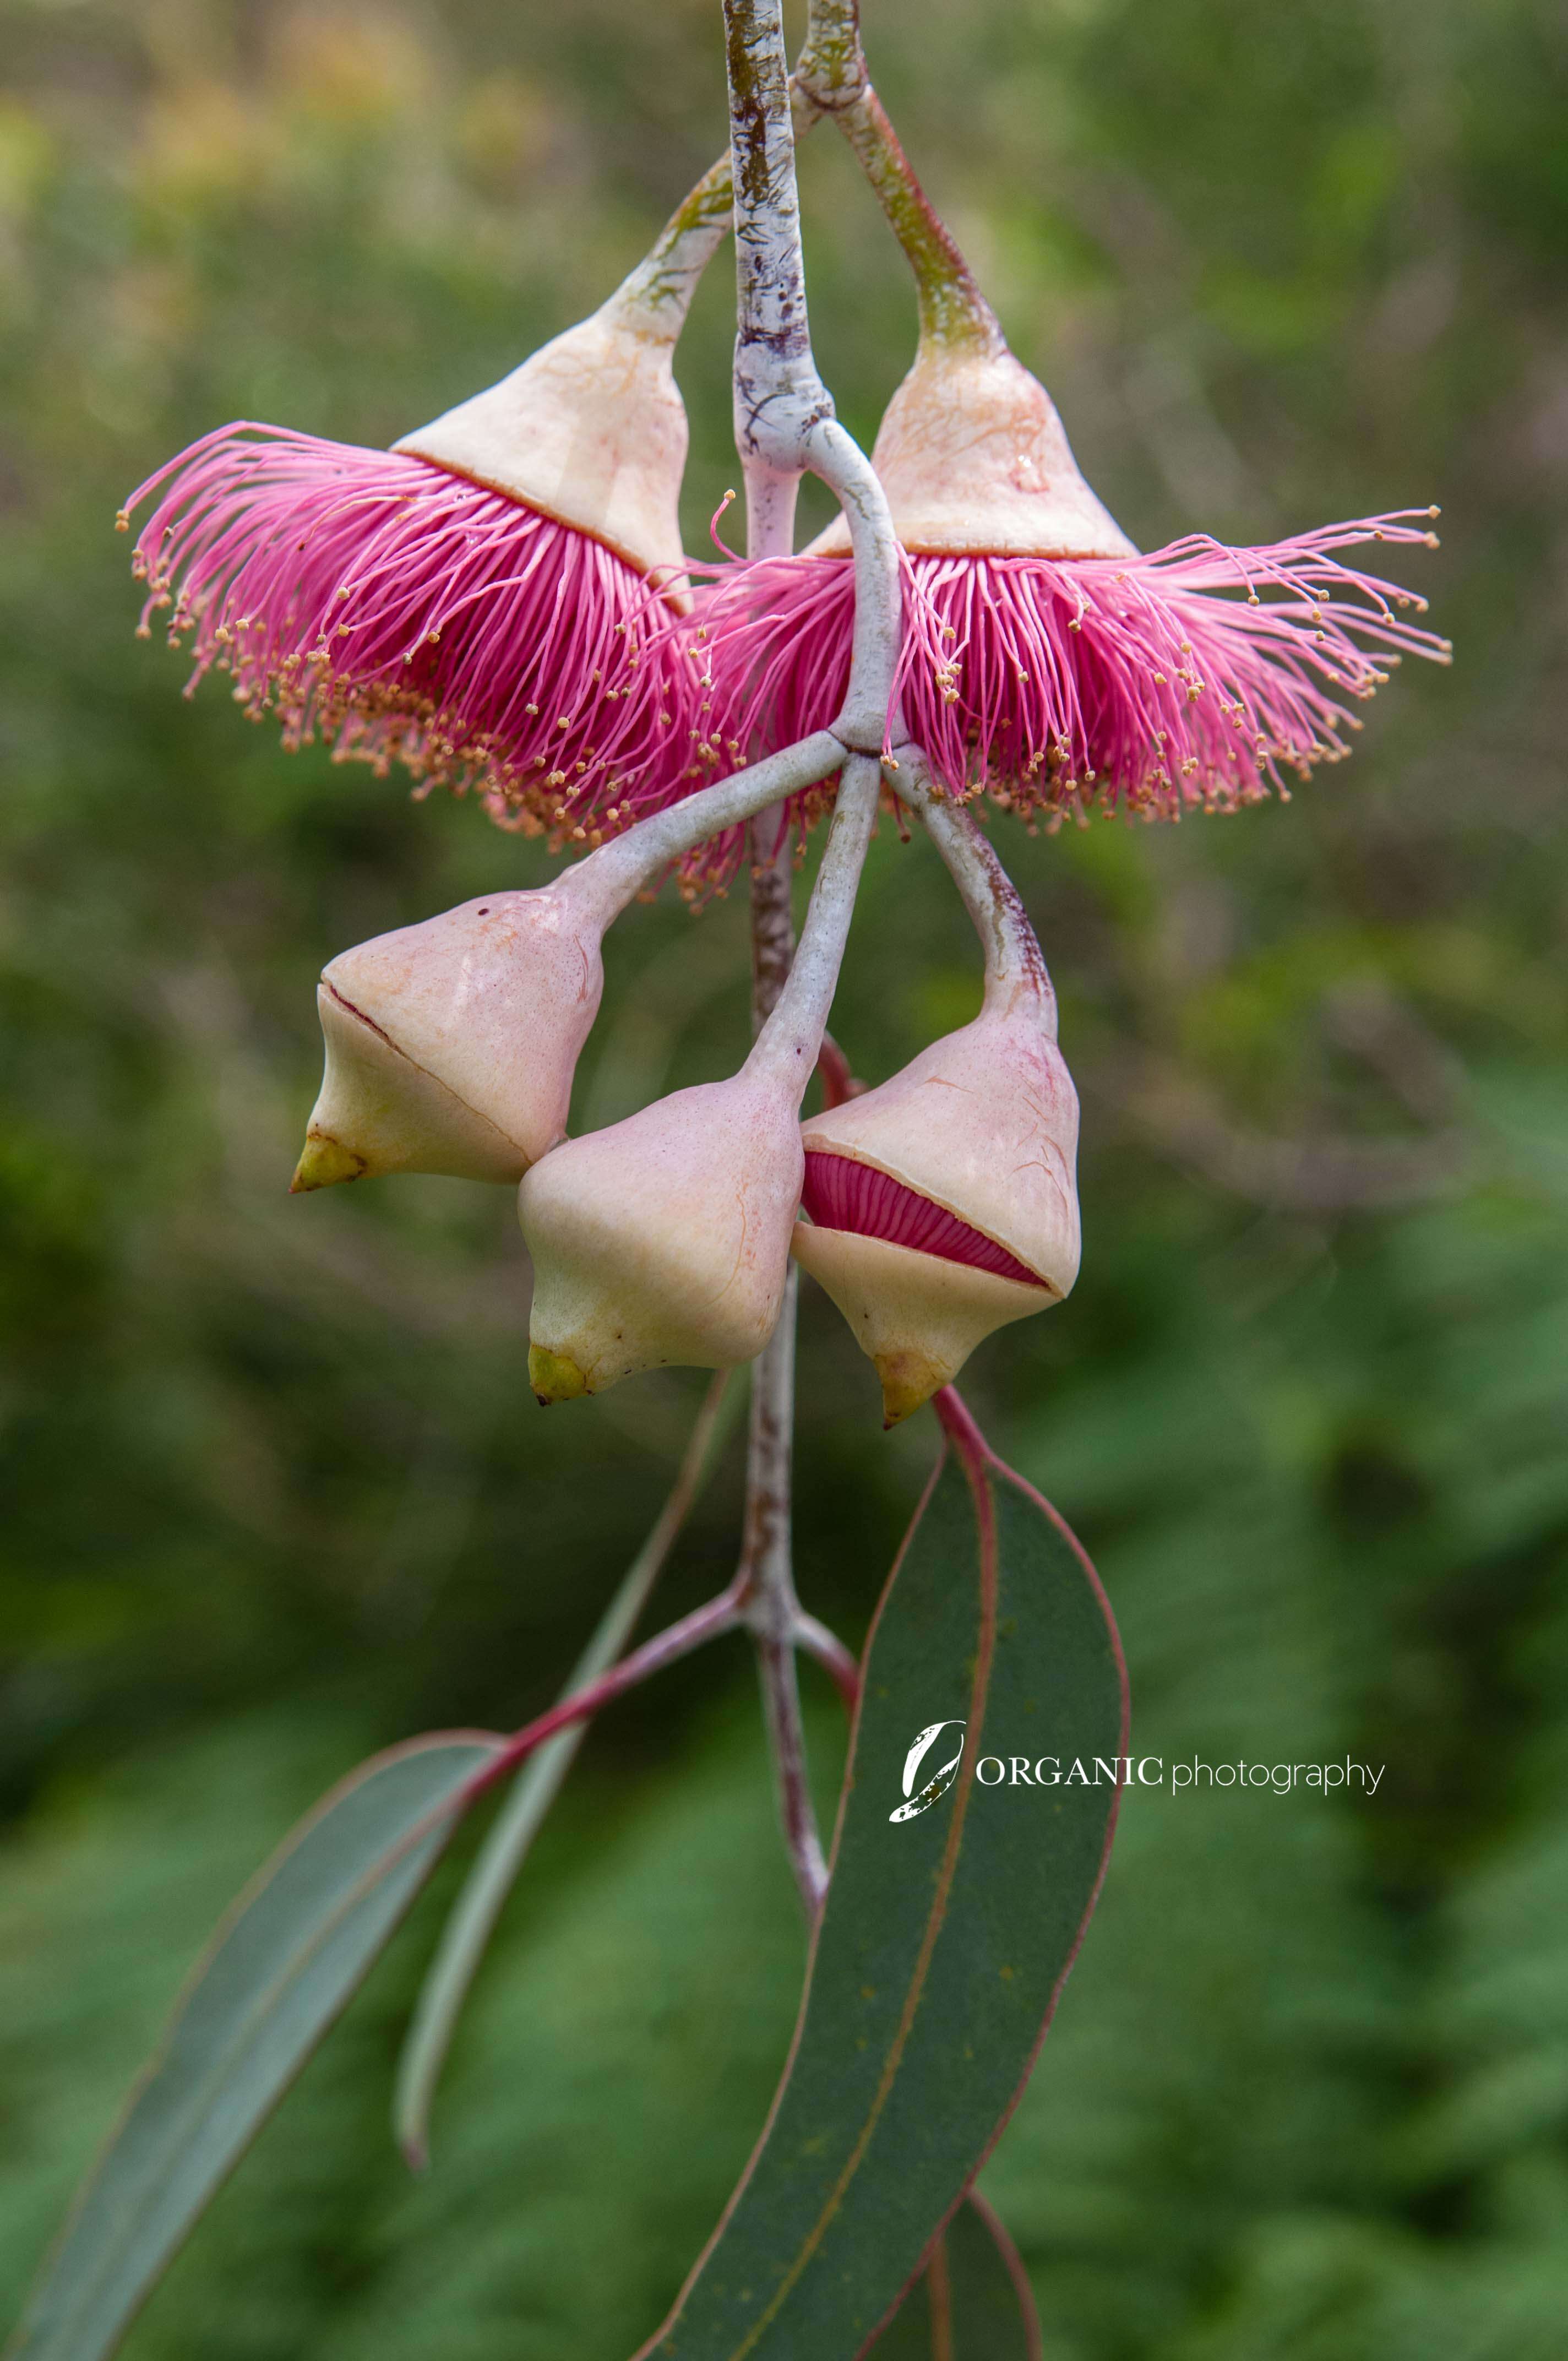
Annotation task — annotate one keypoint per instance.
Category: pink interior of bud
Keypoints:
(1184, 678)
(403, 613)
(841, 1193)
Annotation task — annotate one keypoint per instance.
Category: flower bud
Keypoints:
(943, 1204)
(450, 1046)
(663, 1240)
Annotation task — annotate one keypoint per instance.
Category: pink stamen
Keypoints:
(841, 1193)
(1160, 683)
(401, 613)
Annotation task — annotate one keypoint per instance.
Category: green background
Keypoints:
(273, 1490)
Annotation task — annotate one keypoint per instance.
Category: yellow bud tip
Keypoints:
(553, 1377)
(325, 1161)
(908, 1378)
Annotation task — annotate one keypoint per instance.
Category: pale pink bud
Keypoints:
(451, 1045)
(943, 1204)
(663, 1240)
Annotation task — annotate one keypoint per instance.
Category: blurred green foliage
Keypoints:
(274, 1489)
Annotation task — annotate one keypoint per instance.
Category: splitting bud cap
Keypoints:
(662, 1241)
(451, 1045)
(944, 1203)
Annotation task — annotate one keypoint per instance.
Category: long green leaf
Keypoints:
(473, 1916)
(282, 1967)
(947, 1935)
(972, 2303)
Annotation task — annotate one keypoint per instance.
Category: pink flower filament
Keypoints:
(402, 613)
(841, 1193)
(1159, 683)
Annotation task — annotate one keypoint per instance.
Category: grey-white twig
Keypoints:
(784, 426)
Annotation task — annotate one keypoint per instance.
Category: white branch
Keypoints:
(789, 1042)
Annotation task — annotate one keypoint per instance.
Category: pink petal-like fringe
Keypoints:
(841, 1193)
(402, 613)
(1182, 679)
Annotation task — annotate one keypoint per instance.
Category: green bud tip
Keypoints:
(908, 1378)
(325, 1161)
(553, 1377)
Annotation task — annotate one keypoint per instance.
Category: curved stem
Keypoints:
(784, 413)
(658, 293)
(608, 879)
(867, 720)
(830, 1653)
(721, 1613)
(832, 78)
(792, 1037)
(1015, 964)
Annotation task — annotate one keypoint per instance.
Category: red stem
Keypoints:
(839, 1084)
(720, 1614)
(831, 1653)
(957, 1424)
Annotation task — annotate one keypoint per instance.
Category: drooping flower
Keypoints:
(483, 604)
(1046, 662)
(451, 1045)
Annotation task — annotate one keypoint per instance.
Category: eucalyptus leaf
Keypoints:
(972, 2303)
(280, 1969)
(472, 1919)
(947, 1934)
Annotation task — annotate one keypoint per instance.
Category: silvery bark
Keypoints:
(784, 424)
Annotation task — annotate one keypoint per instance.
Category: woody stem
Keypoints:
(832, 79)
(784, 424)
(1015, 964)
(773, 370)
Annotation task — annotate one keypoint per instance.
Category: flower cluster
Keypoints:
(501, 604)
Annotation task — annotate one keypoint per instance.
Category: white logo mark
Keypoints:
(939, 1782)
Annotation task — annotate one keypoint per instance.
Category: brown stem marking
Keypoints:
(774, 389)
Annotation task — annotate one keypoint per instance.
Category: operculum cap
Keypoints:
(918, 1316)
(974, 460)
(663, 1240)
(451, 1045)
(978, 1139)
(590, 430)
